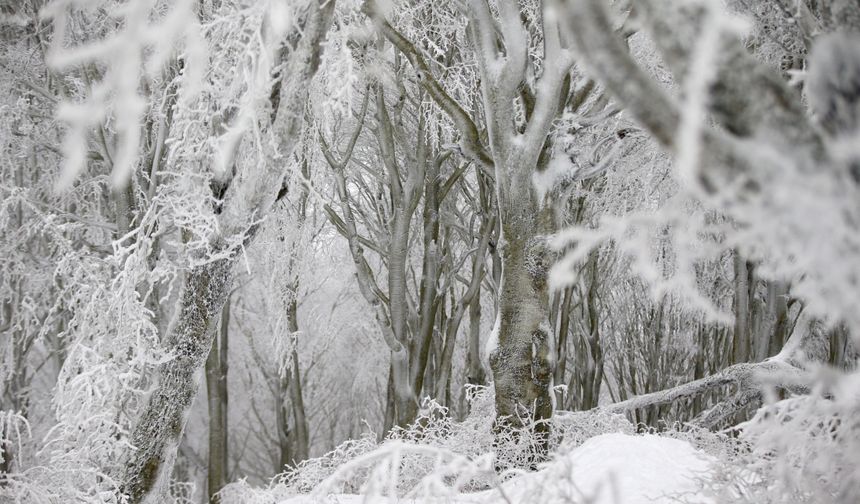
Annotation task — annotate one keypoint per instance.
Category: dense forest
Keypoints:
(442, 251)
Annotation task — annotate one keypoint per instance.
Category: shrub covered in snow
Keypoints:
(436, 455)
(805, 448)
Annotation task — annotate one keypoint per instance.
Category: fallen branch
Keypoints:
(745, 375)
(786, 371)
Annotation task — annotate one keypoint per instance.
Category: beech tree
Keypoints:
(524, 63)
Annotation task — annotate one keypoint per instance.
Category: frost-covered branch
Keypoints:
(470, 136)
(788, 370)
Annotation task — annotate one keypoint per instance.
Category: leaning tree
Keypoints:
(219, 157)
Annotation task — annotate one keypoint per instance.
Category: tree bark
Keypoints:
(216, 391)
(282, 421)
(476, 374)
(561, 340)
(159, 431)
(301, 441)
(741, 341)
(522, 364)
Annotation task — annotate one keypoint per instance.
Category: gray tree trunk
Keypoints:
(216, 391)
(282, 422)
(159, 431)
(521, 364)
(301, 441)
(741, 342)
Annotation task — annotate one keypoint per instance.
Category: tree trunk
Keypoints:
(561, 340)
(302, 437)
(594, 369)
(300, 423)
(781, 329)
(429, 277)
(476, 374)
(741, 343)
(216, 391)
(159, 431)
(522, 363)
(388, 416)
(282, 421)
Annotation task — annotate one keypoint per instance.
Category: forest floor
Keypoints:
(607, 469)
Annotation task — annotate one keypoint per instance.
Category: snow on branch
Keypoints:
(134, 52)
(768, 171)
(786, 370)
(745, 375)
(470, 140)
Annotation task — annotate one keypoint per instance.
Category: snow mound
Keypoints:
(607, 469)
(616, 469)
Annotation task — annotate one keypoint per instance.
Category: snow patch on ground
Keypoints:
(607, 469)
(617, 469)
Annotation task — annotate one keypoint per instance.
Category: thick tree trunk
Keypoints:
(522, 363)
(159, 431)
(216, 391)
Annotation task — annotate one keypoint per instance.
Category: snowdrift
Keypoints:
(607, 469)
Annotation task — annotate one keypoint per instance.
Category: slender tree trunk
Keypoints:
(429, 277)
(301, 442)
(443, 385)
(561, 340)
(282, 421)
(388, 417)
(477, 375)
(216, 391)
(699, 366)
(302, 435)
(780, 330)
(593, 376)
(206, 287)
(741, 344)
(405, 196)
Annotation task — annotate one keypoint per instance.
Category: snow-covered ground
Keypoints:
(607, 469)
